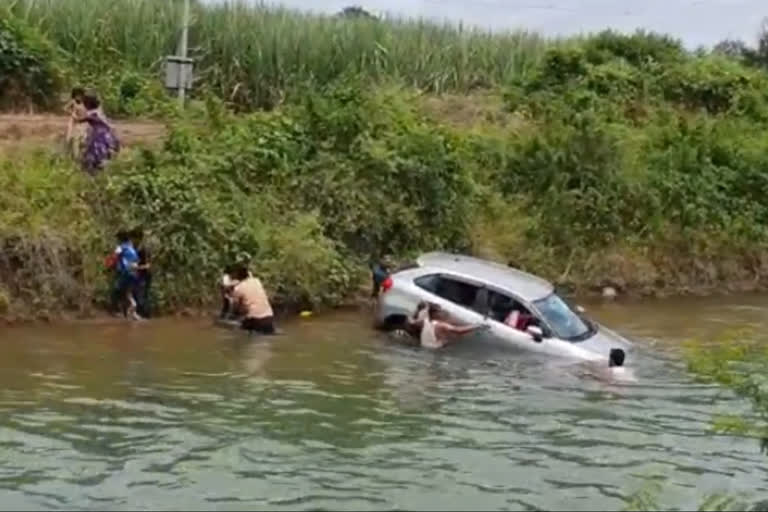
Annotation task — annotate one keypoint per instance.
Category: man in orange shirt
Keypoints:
(251, 300)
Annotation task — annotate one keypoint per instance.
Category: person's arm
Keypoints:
(237, 300)
(147, 260)
(449, 333)
(512, 318)
(459, 330)
(88, 117)
(414, 325)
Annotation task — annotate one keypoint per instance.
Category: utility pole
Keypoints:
(184, 36)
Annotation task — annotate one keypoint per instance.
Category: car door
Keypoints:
(500, 303)
(461, 299)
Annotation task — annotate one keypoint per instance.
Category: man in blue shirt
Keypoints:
(143, 273)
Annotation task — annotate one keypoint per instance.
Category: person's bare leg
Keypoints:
(132, 314)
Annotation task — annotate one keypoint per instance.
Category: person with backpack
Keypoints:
(110, 263)
(125, 261)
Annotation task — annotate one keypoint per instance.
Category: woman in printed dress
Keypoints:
(101, 143)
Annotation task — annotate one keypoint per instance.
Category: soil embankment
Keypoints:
(31, 130)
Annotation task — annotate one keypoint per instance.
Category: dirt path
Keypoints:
(21, 130)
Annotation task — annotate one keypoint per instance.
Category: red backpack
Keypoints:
(110, 262)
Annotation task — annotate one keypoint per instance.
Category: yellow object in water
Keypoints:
(305, 314)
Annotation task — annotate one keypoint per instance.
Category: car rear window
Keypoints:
(428, 283)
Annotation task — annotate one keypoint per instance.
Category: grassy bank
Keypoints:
(611, 160)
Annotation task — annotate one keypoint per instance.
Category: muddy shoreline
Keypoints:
(364, 304)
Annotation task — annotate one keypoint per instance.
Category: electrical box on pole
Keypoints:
(178, 68)
(178, 73)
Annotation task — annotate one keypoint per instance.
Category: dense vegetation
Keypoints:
(614, 159)
(253, 56)
(28, 74)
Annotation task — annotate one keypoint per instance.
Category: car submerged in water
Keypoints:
(471, 291)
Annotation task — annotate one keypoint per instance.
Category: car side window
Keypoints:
(510, 311)
(456, 291)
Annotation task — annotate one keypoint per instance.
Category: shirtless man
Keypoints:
(615, 372)
(250, 298)
(226, 287)
(618, 371)
(437, 333)
(410, 330)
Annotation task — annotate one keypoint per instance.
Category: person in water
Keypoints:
(111, 263)
(143, 274)
(251, 300)
(438, 333)
(101, 143)
(615, 371)
(616, 366)
(226, 287)
(127, 275)
(409, 330)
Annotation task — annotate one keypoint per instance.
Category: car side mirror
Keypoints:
(536, 333)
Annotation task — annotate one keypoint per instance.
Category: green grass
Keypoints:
(252, 53)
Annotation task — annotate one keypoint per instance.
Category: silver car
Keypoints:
(470, 291)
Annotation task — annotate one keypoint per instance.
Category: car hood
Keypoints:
(604, 340)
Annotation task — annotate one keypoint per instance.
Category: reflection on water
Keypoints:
(173, 415)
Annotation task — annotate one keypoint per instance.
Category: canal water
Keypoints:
(332, 415)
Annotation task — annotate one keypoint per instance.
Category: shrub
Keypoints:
(716, 84)
(48, 235)
(127, 93)
(638, 49)
(309, 202)
(199, 223)
(574, 176)
(28, 66)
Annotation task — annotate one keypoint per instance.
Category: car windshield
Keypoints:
(567, 325)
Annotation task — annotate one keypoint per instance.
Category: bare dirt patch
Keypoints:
(29, 131)
(469, 110)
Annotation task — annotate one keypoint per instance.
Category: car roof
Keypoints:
(526, 286)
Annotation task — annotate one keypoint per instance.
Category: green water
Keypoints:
(183, 415)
